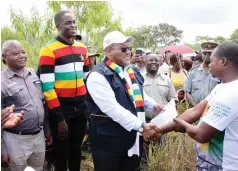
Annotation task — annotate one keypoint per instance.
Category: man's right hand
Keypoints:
(14, 120)
(5, 160)
(62, 130)
(151, 132)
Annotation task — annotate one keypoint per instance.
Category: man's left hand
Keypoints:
(49, 139)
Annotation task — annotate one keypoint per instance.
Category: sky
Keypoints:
(194, 17)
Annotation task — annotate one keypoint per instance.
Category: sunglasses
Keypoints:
(124, 49)
(206, 53)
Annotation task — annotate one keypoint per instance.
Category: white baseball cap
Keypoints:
(116, 37)
(28, 168)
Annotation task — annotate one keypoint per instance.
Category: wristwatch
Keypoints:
(141, 128)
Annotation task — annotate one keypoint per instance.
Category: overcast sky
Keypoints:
(194, 17)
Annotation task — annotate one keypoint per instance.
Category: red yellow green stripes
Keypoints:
(134, 91)
(61, 71)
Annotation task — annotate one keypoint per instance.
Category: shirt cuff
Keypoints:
(137, 125)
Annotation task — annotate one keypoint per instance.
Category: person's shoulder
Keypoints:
(228, 92)
(30, 70)
(194, 68)
(79, 44)
(102, 69)
(3, 76)
(49, 42)
(193, 71)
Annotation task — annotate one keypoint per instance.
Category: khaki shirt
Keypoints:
(159, 88)
(25, 93)
(200, 83)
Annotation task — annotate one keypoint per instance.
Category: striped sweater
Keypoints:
(62, 69)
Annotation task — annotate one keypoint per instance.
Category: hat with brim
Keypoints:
(93, 54)
(116, 37)
(208, 46)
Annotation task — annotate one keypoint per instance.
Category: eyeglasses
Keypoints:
(206, 53)
(124, 49)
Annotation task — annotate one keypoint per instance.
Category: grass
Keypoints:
(176, 153)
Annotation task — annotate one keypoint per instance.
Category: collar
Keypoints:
(63, 41)
(10, 73)
(157, 75)
(200, 68)
(144, 68)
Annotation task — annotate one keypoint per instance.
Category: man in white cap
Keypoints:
(116, 102)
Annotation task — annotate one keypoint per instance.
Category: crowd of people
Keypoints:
(118, 98)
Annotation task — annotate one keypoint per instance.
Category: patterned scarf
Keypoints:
(134, 92)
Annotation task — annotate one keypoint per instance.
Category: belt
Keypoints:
(22, 132)
(99, 115)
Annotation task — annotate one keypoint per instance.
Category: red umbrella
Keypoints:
(183, 49)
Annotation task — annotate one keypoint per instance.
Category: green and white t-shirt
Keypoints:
(221, 153)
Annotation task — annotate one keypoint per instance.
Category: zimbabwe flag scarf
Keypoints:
(134, 91)
(135, 96)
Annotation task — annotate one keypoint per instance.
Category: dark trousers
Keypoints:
(68, 151)
(105, 161)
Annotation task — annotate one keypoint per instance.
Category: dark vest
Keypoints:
(104, 133)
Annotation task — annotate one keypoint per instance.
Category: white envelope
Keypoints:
(167, 115)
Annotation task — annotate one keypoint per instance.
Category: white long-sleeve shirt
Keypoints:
(103, 95)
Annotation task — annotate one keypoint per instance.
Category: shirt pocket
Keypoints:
(196, 84)
(162, 88)
(17, 95)
(38, 88)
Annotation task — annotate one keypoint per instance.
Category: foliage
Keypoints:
(196, 46)
(144, 37)
(218, 39)
(32, 31)
(94, 19)
(234, 36)
(150, 36)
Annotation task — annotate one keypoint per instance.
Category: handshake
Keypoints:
(151, 132)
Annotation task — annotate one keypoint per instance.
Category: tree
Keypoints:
(167, 34)
(151, 36)
(218, 39)
(234, 36)
(143, 37)
(32, 31)
(196, 46)
(94, 19)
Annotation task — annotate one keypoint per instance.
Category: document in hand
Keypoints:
(167, 115)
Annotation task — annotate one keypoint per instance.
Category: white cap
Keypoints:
(28, 168)
(116, 37)
(147, 52)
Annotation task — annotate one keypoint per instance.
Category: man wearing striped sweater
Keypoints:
(63, 66)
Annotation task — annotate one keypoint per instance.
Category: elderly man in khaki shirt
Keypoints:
(23, 145)
(156, 85)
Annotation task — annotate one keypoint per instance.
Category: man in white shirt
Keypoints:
(117, 108)
(217, 131)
